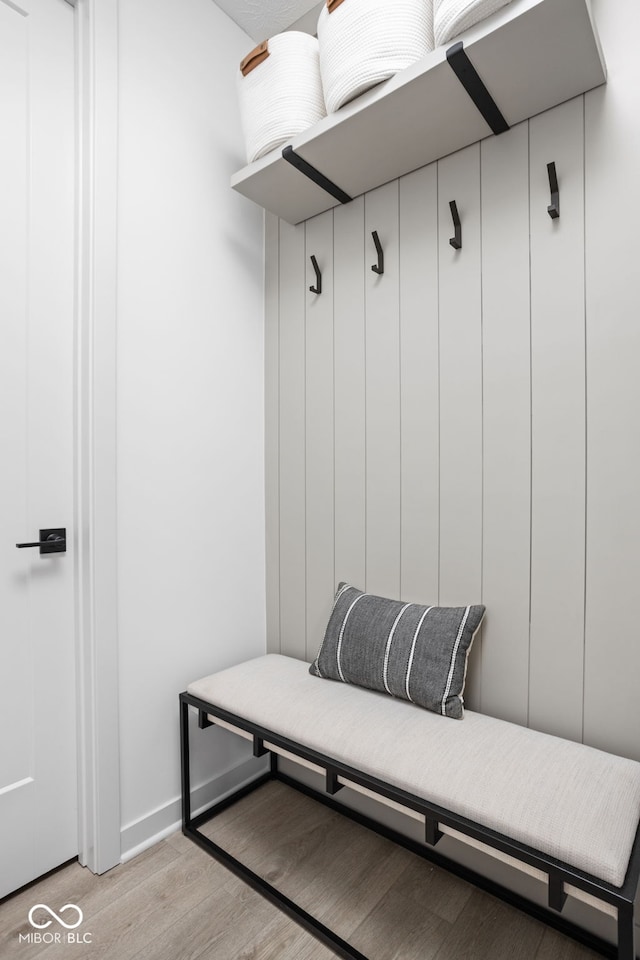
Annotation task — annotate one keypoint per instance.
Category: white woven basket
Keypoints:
(282, 95)
(453, 17)
(363, 42)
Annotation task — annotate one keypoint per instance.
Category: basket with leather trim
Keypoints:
(280, 91)
(363, 42)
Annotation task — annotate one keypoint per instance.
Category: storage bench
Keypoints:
(564, 812)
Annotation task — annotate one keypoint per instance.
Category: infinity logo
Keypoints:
(47, 923)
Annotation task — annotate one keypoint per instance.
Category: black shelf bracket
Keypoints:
(456, 240)
(318, 287)
(379, 266)
(472, 82)
(292, 157)
(554, 207)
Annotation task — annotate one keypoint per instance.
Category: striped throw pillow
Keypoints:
(408, 650)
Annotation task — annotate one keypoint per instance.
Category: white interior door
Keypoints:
(38, 780)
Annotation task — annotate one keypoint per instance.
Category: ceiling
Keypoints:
(263, 18)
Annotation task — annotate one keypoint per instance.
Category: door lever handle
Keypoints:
(52, 540)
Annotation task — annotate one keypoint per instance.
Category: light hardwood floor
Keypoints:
(174, 902)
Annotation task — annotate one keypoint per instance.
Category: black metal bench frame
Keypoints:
(559, 873)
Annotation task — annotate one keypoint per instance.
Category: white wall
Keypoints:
(190, 390)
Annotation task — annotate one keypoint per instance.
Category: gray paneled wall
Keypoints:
(558, 419)
(506, 400)
(432, 433)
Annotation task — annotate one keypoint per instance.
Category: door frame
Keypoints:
(95, 494)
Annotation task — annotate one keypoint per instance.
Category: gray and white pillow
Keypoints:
(408, 650)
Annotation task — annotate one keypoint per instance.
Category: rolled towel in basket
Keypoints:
(280, 91)
(363, 42)
(453, 17)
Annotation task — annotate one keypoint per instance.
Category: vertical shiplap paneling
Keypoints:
(506, 378)
(383, 394)
(349, 392)
(612, 139)
(272, 428)
(319, 431)
(419, 387)
(558, 424)
(461, 394)
(512, 422)
(293, 615)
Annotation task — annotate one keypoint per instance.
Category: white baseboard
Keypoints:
(155, 826)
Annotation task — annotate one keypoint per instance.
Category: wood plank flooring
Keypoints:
(174, 902)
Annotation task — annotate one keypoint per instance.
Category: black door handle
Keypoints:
(52, 540)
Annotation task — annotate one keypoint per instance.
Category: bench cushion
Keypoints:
(565, 799)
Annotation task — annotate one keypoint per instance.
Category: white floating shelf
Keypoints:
(531, 55)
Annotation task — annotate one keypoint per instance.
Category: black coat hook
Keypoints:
(379, 266)
(554, 208)
(455, 241)
(318, 287)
